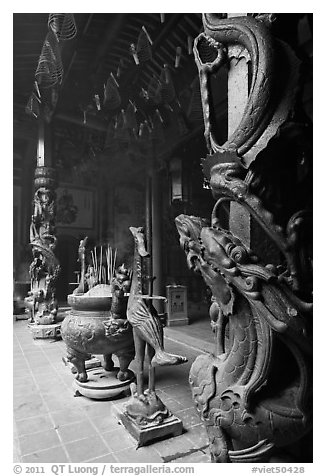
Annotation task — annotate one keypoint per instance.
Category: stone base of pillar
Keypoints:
(177, 321)
(171, 426)
(45, 331)
(101, 384)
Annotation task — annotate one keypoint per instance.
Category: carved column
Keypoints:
(157, 238)
(44, 269)
(255, 393)
(238, 82)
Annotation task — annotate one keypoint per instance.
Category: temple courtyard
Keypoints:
(51, 425)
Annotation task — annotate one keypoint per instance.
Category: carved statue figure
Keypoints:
(255, 393)
(119, 287)
(249, 405)
(82, 286)
(145, 407)
(44, 211)
(44, 271)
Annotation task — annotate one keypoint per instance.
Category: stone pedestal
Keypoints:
(171, 426)
(49, 331)
(101, 384)
(45, 331)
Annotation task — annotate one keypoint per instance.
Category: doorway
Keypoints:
(67, 254)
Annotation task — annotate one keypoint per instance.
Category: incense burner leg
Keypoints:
(108, 362)
(78, 360)
(125, 357)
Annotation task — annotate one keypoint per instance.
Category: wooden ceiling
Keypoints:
(101, 47)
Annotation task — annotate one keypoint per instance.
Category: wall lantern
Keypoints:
(178, 188)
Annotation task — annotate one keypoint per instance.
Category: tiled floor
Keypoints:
(53, 426)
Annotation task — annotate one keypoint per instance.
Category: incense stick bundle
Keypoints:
(107, 264)
(115, 259)
(96, 264)
(100, 278)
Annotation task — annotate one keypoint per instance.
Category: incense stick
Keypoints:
(96, 271)
(101, 266)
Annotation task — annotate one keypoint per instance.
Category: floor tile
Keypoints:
(196, 457)
(189, 417)
(66, 416)
(172, 448)
(16, 457)
(198, 436)
(38, 441)
(76, 431)
(108, 458)
(119, 439)
(88, 448)
(29, 409)
(51, 423)
(52, 455)
(144, 454)
(34, 424)
(25, 389)
(105, 423)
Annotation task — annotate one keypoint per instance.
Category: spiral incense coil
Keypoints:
(33, 106)
(167, 90)
(195, 110)
(130, 117)
(144, 47)
(109, 135)
(112, 97)
(63, 25)
(154, 90)
(49, 70)
(121, 129)
(158, 130)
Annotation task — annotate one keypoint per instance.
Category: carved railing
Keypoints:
(254, 394)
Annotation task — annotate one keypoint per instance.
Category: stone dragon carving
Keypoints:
(254, 394)
(248, 404)
(45, 268)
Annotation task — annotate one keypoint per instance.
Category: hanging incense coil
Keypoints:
(144, 47)
(167, 90)
(158, 130)
(130, 117)
(154, 90)
(109, 136)
(33, 106)
(122, 135)
(63, 25)
(178, 53)
(144, 133)
(112, 97)
(195, 110)
(49, 70)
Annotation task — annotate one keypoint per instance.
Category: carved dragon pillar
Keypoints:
(45, 267)
(254, 393)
